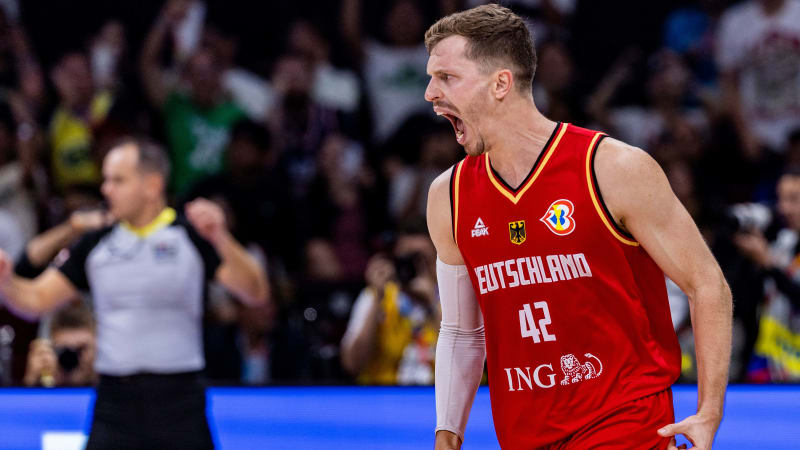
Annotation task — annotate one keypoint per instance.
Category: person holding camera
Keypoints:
(67, 357)
(775, 357)
(392, 332)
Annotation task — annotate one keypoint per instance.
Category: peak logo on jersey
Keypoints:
(516, 231)
(480, 229)
(558, 217)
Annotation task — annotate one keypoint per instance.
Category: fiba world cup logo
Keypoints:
(558, 217)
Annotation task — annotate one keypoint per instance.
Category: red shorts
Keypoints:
(633, 424)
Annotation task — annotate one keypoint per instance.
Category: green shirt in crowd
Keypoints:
(197, 138)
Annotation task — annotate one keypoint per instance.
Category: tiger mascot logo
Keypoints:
(574, 371)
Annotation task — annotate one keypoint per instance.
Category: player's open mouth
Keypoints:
(458, 126)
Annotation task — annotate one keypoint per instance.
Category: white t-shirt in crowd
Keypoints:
(396, 79)
(765, 51)
(642, 127)
(336, 88)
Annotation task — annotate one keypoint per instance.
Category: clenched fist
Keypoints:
(207, 218)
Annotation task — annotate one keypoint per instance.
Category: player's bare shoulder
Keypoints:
(440, 219)
(438, 210)
(629, 179)
(618, 158)
(440, 188)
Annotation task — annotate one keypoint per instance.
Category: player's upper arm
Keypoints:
(640, 199)
(440, 223)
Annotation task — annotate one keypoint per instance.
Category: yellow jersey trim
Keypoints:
(594, 196)
(164, 218)
(455, 200)
(515, 198)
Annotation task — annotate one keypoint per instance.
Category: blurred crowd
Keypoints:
(306, 121)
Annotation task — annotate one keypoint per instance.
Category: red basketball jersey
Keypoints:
(576, 313)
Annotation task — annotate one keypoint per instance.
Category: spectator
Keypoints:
(776, 352)
(424, 150)
(67, 357)
(553, 88)
(246, 89)
(20, 74)
(793, 152)
(340, 212)
(256, 325)
(395, 71)
(545, 18)
(667, 88)
(759, 61)
(17, 207)
(19, 173)
(391, 336)
(82, 107)
(198, 117)
(299, 124)
(332, 87)
(254, 190)
(106, 52)
(689, 31)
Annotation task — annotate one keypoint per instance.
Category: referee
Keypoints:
(146, 274)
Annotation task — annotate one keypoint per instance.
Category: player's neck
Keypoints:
(519, 136)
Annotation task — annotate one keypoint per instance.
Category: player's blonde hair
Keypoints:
(496, 38)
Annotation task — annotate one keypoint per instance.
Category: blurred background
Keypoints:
(306, 121)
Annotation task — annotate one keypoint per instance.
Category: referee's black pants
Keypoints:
(150, 411)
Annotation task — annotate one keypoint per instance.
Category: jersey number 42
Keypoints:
(528, 326)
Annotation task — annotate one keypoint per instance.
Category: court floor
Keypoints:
(396, 418)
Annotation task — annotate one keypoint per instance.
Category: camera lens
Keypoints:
(68, 358)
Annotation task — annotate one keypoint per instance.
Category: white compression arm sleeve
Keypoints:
(461, 349)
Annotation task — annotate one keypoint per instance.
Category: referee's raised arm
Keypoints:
(238, 272)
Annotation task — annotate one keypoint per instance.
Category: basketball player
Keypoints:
(562, 237)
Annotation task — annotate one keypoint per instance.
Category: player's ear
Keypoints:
(503, 81)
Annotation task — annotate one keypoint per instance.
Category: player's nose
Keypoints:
(432, 92)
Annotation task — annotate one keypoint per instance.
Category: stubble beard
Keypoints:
(479, 149)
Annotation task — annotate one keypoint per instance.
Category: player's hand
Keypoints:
(6, 266)
(698, 429)
(446, 440)
(207, 218)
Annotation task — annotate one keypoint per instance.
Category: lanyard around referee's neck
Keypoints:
(164, 218)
